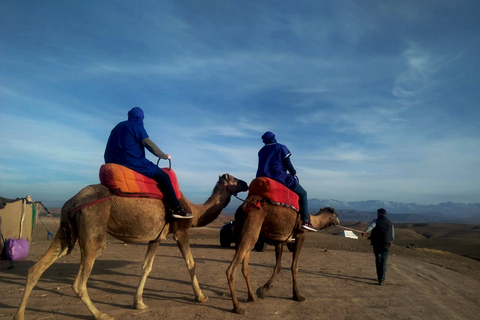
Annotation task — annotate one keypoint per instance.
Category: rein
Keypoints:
(234, 194)
(238, 197)
(348, 228)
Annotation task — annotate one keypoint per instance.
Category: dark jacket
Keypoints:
(382, 233)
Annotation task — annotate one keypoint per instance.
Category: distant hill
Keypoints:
(448, 212)
(402, 212)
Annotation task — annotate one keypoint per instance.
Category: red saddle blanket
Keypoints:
(118, 177)
(273, 190)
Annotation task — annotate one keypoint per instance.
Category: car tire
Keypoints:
(291, 246)
(260, 246)
(225, 237)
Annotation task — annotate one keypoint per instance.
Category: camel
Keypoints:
(277, 224)
(132, 220)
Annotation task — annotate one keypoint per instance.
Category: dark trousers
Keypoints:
(303, 202)
(165, 185)
(381, 257)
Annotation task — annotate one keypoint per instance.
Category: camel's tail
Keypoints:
(86, 197)
(68, 227)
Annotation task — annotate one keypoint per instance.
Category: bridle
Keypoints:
(228, 187)
(234, 194)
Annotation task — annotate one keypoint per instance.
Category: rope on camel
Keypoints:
(349, 228)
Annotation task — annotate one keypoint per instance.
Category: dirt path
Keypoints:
(338, 284)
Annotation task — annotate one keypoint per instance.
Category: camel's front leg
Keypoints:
(57, 249)
(184, 246)
(146, 268)
(299, 240)
(262, 291)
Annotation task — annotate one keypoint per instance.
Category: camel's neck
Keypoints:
(204, 214)
(321, 220)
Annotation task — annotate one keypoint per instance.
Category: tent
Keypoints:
(17, 218)
(348, 234)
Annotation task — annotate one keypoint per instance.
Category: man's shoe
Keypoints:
(308, 226)
(180, 213)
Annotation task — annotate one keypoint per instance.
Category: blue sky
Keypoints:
(375, 99)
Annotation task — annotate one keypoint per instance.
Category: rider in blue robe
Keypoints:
(126, 146)
(274, 163)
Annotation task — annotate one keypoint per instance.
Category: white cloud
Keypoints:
(47, 141)
(361, 95)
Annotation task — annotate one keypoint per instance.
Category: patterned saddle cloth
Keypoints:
(129, 183)
(276, 192)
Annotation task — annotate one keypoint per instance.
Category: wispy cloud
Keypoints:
(374, 100)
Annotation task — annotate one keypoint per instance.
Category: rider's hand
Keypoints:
(169, 157)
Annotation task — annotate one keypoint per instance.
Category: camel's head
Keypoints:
(232, 184)
(334, 216)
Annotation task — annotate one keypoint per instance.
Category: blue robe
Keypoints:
(271, 164)
(125, 147)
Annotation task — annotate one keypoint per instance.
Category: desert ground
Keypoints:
(433, 273)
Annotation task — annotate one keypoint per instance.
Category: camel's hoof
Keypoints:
(261, 293)
(140, 306)
(201, 299)
(18, 316)
(299, 298)
(251, 299)
(104, 316)
(238, 310)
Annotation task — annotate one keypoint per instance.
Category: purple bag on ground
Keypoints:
(17, 249)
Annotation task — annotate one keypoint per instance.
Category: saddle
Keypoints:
(129, 183)
(276, 192)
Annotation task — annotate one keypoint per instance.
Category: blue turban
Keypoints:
(269, 137)
(136, 115)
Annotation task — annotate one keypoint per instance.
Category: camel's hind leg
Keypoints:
(184, 246)
(92, 239)
(242, 253)
(299, 240)
(146, 268)
(57, 249)
(261, 291)
(246, 275)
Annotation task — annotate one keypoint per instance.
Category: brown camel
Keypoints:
(133, 220)
(277, 224)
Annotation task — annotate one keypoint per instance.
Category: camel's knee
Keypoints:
(76, 290)
(79, 289)
(34, 273)
(230, 275)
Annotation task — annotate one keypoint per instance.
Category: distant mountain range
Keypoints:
(448, 212)
(402, 212)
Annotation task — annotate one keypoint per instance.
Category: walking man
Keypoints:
(383, 234)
